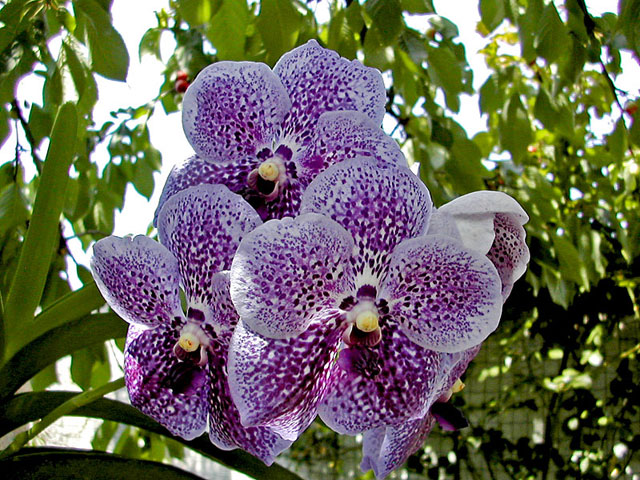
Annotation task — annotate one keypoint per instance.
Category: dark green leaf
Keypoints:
(4, 126)
(492, 13)
(515, 128)
(109, 55)
(195, 12)
(68, 463)
(417, 6)
(387, 19)
(13, 208)
(150, 43)
(444, 70)
(552, 38)
(279, 24)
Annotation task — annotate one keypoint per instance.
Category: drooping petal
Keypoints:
(509, 252)
(343, 135)
(319, 80)
(447, 298)
(138, 278)
(386, 449)
(380, 205)
(491, 222)
(233, 109)
(395, 381)
(173, 396)
(279, 382)
(225, 429)
(202, 226)
(286, 271)
(197, 171)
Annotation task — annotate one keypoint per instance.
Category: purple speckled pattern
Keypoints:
(287, 271)
(509, 252)
(343, 135)
(447, 297)
(225, 429)
(138, 278)
(196, 171)
(385, 449)
(202, 226)
(398, 381)
(279, 382)
(379, 205)
(232, 109)
(319, 80)
(148, 359)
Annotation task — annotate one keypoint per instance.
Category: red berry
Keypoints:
(182, 85)
(631, 109)
(182, 75)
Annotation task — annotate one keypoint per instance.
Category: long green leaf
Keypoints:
(61, 410)
(28, 407)
(55, 344)
(42, 235)
(71, 463)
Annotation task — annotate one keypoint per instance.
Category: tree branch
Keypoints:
(15, 107)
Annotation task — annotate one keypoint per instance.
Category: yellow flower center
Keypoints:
(269, 171)
(457, 387)
(188, 342)
(367, 321)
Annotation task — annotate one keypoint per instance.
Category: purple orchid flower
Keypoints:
(175, 363)
(492, 223)
(266, 134)
(347, 309)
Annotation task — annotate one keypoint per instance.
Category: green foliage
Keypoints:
(565, 355)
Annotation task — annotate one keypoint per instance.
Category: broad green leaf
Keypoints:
(143, 178)
(528, 23)
(40, 123)
(28, 407)
(43, 234)
(571, 266)
(417, 6)
(279, 24)
(55, 344)
(444, 70)
(4, 126)
(552, 37)
(90, 367)
(227, 29)
(491, 95)
(386, 16)
(544, 109)
(150, 43)
(69, 463)
(109, 55)
(196, 12)
(628, 21)
(515, 128)
(492, 13)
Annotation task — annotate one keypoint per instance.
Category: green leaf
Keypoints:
(150, 43)
(109, 55)
(90, 367)
(417, 6)
(552, 36)
(13, 208)
(628, 21)
(55, 344)
(4, 126)
(69, 463)
(279, 24)
(195, 12)
(43, 234)
(544, 110)
(515, 128)
(227, 29)
(28, 407)
(445, 72)
(386, 16)
(571, 266)
(492, 13)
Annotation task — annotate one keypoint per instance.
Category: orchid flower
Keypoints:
(175, 362)
(347, 309)
(492, 223)
(266, 134)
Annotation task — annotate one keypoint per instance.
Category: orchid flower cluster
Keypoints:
(302, 270)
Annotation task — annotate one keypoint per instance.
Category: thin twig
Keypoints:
(27, 132)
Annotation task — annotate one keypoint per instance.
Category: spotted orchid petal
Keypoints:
(202, 226)
(197, 171)
(380, 205)
(171, 392)
(225, 428)
(319, 80)
(279, 382)
(286, 271)
(233, 109)
(491, 222)
(344, 135)
(387, 448)
(391, 382)
(139, 279)
(447, 297)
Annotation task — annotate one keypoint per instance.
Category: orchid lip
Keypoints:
(192, 338)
